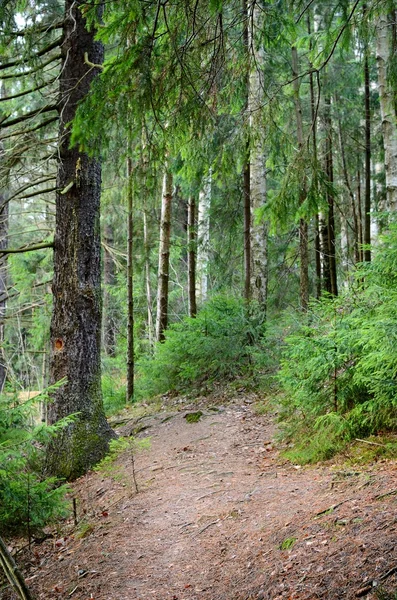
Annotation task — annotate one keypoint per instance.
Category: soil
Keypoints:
(219, 515)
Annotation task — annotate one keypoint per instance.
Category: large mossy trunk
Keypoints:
(76, 319)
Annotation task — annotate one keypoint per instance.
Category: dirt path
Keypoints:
(219, 517)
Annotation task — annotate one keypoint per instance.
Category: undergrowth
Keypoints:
(29, 499)
(339, 366)
(223, 342)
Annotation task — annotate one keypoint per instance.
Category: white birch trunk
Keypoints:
(164, 256)
(259, 230)
(203, 239)
(388, 114)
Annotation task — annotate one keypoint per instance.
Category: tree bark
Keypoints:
(303, 226)
(247, 169)
(367, 201)
(164, 257)
(258, 193)
(387, 106)
(76, 319)
(203, 239)
(109, 280)
(13, 574)
(191, 256)
(130, 285)
(313, 112)
(329, 164)
(148, 286)
(4, 210)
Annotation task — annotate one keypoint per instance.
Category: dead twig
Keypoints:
(207, 526)
(333, 507)
(370, 443)
(391, 493)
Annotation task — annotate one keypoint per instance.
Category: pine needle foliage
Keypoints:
(339, 371)
(28, 499)
(221, 343)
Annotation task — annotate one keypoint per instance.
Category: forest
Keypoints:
(195, 196)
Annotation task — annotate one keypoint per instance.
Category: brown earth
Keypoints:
(220, 516)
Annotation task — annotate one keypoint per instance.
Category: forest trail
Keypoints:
(219, 516)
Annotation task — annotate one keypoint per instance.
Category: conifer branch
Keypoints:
(30, 248)
(32, 71)
(91, 64)
(30, 91)
(29, 115)
(27, 186)
(42, 52)
(44, 28)
(30, 130)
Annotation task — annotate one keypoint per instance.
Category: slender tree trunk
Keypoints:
(191, 256)
(148, 285)
(13, 574)
(259, 231)
(4, 210)
(76, 318)
(203, 239)
(130, 285)
(367, 202)
(360, 216)
(317, 234)
(246, 171)
(247, 232)
(164, 257)
(325, 256)
(387, 96)
(348, 185)
(303, 226)
(330, 199)
(109, 280)
(317, 247)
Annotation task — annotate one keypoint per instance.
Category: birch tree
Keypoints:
(203, 239)
(257, 172)
(384, 29)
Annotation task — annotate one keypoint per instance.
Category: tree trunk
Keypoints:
(13, 574)
(360, 217)
(164, 257)
(76, 319)
(191, 256)
(247, 169)
(130, 286)
(147, 277)
(313, 113)
(203, 239)
(329, 164)
(367, 202)
(4, 210)
(350, 191)
(259, 231)
(247, 231)
(109, 280)
(303, 226)
(387, 106)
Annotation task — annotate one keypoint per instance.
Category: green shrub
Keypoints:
(339, 372)
(28, 499)
(114, 394)
(220, 344)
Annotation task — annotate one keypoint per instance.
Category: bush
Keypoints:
(28, 499)
(218, 345)
(339, 373)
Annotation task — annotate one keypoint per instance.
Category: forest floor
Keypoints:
(221, 516)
